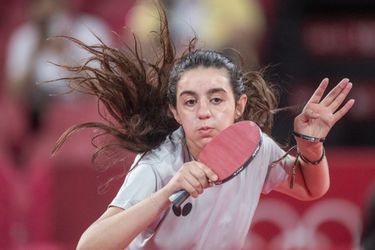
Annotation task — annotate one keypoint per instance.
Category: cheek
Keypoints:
(226, 118)
(228, 111)
(186, 117)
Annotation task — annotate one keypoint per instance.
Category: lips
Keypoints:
(204, 128)
(205, 131)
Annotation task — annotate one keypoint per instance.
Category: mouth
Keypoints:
(205, 131)
(205, 128)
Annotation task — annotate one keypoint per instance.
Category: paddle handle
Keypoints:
(178, 197)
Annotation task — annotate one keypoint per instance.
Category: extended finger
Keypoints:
(192, 185)
(332, 95)
(317, 96)
(341, 112)
(199, 175)
(340, 98)
(211, 175)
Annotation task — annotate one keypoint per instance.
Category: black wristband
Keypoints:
(304, 159)
(307, 137)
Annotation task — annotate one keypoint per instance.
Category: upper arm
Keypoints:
(138, 185)
(111, 211)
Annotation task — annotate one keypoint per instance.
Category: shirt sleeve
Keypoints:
(278, 169)
(139, 184)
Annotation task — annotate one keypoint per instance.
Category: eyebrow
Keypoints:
(209, 92)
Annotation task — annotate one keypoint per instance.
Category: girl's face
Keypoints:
(205, 105)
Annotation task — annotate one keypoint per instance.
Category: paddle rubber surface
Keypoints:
(227, 154)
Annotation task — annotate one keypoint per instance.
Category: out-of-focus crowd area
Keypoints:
(47, 202)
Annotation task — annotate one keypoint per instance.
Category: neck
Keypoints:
(192, 150)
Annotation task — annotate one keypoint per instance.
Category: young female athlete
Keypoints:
(167, 111)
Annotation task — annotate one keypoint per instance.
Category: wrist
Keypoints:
(309, 146)
(310, 149)
(313, 161)
(160, 200)
(308, 137)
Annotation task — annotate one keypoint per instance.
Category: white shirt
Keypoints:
(220, 218)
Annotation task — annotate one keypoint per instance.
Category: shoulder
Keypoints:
(268, 142)
(157, 166)
(170, 149)
(166, 159)
(270, 148)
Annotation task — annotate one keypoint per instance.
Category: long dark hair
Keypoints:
(136, 92)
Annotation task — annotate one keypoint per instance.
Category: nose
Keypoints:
(203, 110)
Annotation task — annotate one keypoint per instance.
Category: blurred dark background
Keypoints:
(315, 39)
(46, 203)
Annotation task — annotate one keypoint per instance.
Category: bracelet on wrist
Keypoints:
(297, 163)
(308, 138)
(305, 160)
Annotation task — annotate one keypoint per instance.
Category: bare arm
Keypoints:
(316, 120)
(311, 181)
(117, 227)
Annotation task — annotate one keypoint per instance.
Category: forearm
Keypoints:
(118, 230)
(315, 178)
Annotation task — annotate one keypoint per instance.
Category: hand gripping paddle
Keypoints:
(227, 154)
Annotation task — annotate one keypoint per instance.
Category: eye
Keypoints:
(190, 102)
(216, 100)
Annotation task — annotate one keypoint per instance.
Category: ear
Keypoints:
(240, 106)
(175, 113)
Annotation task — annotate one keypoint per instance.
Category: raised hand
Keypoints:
(320, 115)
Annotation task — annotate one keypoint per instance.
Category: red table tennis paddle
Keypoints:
(227, 154)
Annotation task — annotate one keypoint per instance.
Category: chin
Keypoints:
(205, 141)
